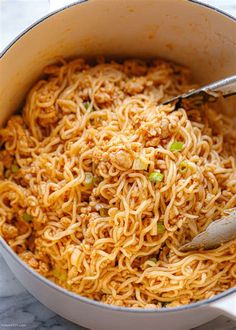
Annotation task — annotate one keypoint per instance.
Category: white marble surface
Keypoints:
(18, 309)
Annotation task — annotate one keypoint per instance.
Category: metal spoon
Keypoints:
(208, 93)
(224, 229)
(217, 233)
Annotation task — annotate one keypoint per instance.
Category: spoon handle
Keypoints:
(226, 86)
(208, 93)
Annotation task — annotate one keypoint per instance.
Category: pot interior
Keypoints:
(182, 31)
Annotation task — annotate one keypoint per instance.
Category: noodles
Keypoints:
(100, 186)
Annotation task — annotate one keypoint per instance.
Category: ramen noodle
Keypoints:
(100, 185)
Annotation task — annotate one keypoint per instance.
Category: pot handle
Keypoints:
(227, 305)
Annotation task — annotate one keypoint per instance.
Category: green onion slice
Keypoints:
(183, 166)
(27, 217)
(14, 168)
(88, 180)
(140, 164)
(58, 274)
(86, 105)
(160, 228)
(153, 259)
(155, 177)
(176, 146)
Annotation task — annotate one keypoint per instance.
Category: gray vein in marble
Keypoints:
(20, 310)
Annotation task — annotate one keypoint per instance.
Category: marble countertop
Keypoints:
(18, 309)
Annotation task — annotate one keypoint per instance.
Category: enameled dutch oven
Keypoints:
(188, 32)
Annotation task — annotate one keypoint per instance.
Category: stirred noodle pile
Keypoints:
(100, 186)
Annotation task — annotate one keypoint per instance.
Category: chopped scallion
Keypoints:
(27, 217)
(69, 286)
(140, 164)
(153, 259)
(88, 180)
(176, 146)
(160, 228)
(155, 177)
(14, 168)
(60, 275)
(86, 105)
(183, 166)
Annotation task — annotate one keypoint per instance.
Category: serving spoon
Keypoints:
(224, 229)
(217, 233)
(208, 93)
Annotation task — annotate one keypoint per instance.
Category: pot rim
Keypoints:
(71, 294)
(102, 305)
(79, 2)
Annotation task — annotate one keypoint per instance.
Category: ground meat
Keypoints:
(164, 126)
(29, 258)
(6, 159)
(9, 231)
(121, 159)
(135, 86)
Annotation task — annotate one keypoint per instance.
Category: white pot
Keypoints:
(184, 31)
